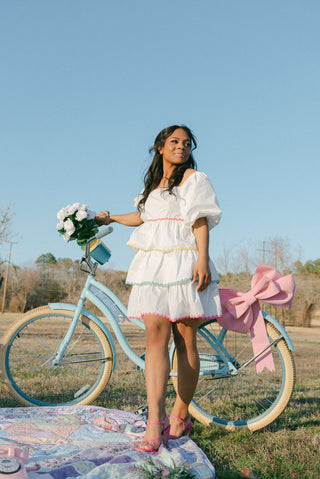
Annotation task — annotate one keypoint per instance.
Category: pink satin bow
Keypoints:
(241, 311)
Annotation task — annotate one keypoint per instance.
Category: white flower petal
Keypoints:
(61, 214)
(73, 208)
(81, 215)
(69, 227)
(60, 225)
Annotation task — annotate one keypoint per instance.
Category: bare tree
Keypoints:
(6, 216)
(23, 282)
(223, 263)
(279, 253)
(244, 258)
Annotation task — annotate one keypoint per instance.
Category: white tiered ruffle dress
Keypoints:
(166, 252)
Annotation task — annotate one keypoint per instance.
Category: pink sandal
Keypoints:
(187, 426)
(161, 440)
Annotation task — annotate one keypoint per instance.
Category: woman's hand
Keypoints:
(103, 218)
(129, 219)
(201, 272)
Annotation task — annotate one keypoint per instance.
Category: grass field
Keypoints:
(288, 448)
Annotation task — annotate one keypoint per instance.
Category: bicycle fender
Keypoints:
(284, 333)
(93, 317)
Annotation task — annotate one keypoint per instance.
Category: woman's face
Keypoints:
(177, 148)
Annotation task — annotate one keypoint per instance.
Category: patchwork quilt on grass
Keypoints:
(92, 442)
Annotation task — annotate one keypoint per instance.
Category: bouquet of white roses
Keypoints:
(77, 222)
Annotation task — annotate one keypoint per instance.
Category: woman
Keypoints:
(174, 281)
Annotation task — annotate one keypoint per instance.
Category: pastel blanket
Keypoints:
(91, 442)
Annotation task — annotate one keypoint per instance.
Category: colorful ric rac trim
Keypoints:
(173, 320)
(168, 219)
(217, 281)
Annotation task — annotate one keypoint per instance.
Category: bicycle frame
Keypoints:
(87, 293)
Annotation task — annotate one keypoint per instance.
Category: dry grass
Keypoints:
(288, 448)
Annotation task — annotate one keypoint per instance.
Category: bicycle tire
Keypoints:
(31, 343)
(248, 400)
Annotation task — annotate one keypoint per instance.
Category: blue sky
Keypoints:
(87, 85)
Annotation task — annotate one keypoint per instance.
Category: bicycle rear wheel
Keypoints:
(247, 400)
(29, 347)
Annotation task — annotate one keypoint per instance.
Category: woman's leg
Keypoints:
(188, 370)
(157, 369)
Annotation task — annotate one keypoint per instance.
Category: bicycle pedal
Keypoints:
(142, 410)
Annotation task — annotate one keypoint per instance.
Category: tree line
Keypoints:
(55, 280)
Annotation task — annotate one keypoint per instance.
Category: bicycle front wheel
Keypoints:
(27, 355)
(246, 400)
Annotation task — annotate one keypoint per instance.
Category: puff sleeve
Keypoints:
(135, 204)
(200, 201)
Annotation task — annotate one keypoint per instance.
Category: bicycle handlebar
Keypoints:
(99, 235)
(103, 233)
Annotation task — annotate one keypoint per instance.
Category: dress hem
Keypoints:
(174, 320)
(186, 280)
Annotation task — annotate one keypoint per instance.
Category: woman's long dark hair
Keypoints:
(154, 174)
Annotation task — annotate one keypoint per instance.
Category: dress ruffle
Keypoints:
(175, 302)
(173, 267)
(162, 235)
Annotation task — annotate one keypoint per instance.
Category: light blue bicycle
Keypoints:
(64, 354)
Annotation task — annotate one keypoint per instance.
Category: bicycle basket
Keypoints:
(99, 251)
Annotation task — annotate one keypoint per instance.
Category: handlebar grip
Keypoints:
(103, 233)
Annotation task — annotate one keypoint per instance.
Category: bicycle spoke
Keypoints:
(32, 348)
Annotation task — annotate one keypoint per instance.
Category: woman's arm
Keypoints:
(201, 269)
(129, 219)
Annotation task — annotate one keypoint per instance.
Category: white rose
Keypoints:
(83, 207)
(81, 215)
(69, 227)
(73, 208)
(91, 214)
(66, 237)
(61, 214)
(60, 225)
